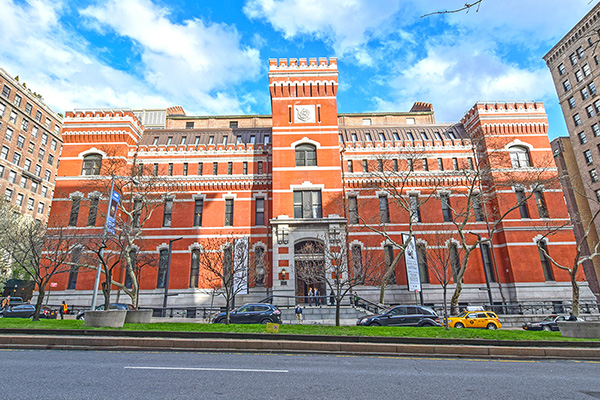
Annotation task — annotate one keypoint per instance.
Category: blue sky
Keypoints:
(211, 57)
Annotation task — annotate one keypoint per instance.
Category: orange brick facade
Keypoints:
(254, 167)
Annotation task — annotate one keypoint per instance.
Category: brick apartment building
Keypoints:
(31, 146)
(574, 63)
(306, 173)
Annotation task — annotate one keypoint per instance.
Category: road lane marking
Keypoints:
(211, 369)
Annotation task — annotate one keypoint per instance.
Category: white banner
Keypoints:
(240, 260)
(411, 260)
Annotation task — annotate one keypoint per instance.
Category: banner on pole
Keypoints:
(412, 264)
(113, 206)
(240, 262)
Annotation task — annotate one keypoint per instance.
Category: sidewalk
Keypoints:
(276, 343)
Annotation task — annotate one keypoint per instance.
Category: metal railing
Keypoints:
(351, 300)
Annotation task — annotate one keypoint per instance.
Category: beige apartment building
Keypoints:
(30, 148)
(574, 63)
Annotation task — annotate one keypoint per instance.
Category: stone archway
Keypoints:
(309, 262)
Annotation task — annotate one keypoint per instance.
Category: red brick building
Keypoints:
(306, 172)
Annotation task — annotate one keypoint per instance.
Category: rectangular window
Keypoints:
(353, 209)
(2, 110)
(74, 211)
(189, 125)
(44, 139)
(211, 140)
(267, 140)
(411, 165)
(307, 204)
(170, 169)
(17, 101)
(580, 52)
(34, 187)
(195, 268)
(586, 70)
(38, 170)
(380, 165)
(233, 124)
(350, 166)
(12, 176)
(567, 85)
(200, 168)
(477, 207)
(584, 93)
(169, 140)
(168, 212)
(573, 58)
(440, 164)
(4, 152)
(20, 141)
(382, 137)
(24, 125)
(596, 129)
(185, 169)
(155, 141)
(1, 171)
(592, 87)
(8, 135)
(455, 163)
(395, 165)
(368, 137)
(13, 117)
(572, 103)
(41, 154)
(588, 156)
(541, 203)
(31, 148)
(44, 191)
(47, 175)
(183, 140)
(215, 168)
(446, 211)
(228, 212)
(8, 194)
(229, 168)
(384, 212)
(93, 211)
(388, 254)
(354, 137)
(75, 257)
(252, 139)
(38, 116)
(578, 75)
(590, 111)
(40, 209)
(5, 91)
(582, 137)
(486, 255)
(422, 259)
(245, 168)
(198, 207)
(594, 175)
(365, 166)
(415, 208)
(577, 119)
(260, 212)
(561, 69)
(522, 202)
(23, 182)
(546, 266)
(225, 140)
(163, 260)
(196, 140)
(238, 139)
(260, 167)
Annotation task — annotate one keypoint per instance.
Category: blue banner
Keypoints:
(113, 206)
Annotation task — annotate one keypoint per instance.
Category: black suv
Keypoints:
(402, 316)
(259, 313)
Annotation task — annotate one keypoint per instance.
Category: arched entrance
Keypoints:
(309, 262)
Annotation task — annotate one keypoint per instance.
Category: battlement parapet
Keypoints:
(284, 64)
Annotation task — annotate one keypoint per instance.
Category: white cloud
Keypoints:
(191, 60)
(454, 77)
(346, 25)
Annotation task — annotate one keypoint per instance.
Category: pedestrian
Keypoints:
(331, 298)
(310, 296)
(317, 297)
(63, 309)
(6, 302)
(298, 314)
(572, 317)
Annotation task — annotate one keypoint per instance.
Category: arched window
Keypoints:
(91, 164)
(163, 260)
(259, 266)
(195, 268)
(306, 155)
(519, 156)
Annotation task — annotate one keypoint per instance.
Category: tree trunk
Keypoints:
(455, 296)
(575, 287)
(337, 312)
(445, 308)
(381, 293)
(38, 304)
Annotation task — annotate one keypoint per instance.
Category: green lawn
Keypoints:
(299, 329)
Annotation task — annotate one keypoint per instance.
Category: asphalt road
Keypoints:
(73, 375)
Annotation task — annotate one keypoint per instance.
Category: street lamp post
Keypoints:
(166, 296)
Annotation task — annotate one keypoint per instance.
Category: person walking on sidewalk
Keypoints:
(298, 314)
(310, 296)
(331, 298)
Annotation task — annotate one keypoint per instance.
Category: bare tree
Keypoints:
(41, 252)
(333, 264)
(467, 7)
(224, 263)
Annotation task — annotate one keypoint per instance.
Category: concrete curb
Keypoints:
(120, 343)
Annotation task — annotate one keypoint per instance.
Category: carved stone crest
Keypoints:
(304, 114)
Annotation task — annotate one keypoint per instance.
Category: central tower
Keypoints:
(307, 184)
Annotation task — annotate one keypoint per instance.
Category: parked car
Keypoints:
(259, 313)
(113, 306)
(14, 301)
(547, 324)
(475, 319)
(27, 311)
(402, 316)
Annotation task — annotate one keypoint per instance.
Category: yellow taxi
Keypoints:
(475, 319)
